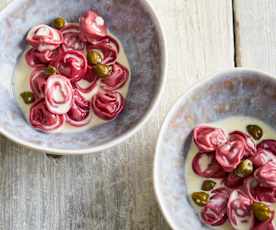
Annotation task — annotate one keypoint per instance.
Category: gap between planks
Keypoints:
(236, 35)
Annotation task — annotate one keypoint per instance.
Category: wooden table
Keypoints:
(114, 189)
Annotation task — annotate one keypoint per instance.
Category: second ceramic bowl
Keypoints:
(235, 92)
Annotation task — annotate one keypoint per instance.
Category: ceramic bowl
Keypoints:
(235, 92)
(132, 21)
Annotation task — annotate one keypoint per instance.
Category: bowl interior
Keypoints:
(143, 45)
(236, 92)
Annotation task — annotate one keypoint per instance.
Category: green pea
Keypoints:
(208, 185)
(27, 97)
(102, 70)
(255, 131)
(94, 57)
(200, 198)
(59, 22)
(261, 211)
(50, 70)
(245, 168)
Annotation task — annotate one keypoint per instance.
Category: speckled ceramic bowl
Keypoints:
(235, 92)
(136, 25)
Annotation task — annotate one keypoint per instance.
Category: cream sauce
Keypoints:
(194, 181)
(21, 83)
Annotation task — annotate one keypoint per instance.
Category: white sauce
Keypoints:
(194, 181)
(21, 83)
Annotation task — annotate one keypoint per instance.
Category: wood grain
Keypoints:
(255, 29)
(114, 189)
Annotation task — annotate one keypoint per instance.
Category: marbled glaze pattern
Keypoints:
(134, 24)
(236, 92)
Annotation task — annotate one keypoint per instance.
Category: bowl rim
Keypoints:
(153, 105)
(214, 76)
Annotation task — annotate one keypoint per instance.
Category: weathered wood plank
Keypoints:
(113, 189)
(256, 34)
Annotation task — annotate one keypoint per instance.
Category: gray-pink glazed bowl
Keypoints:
(235, 92)
(132, 21)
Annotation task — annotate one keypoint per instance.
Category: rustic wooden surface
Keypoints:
(114, 189)
(256, 34)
